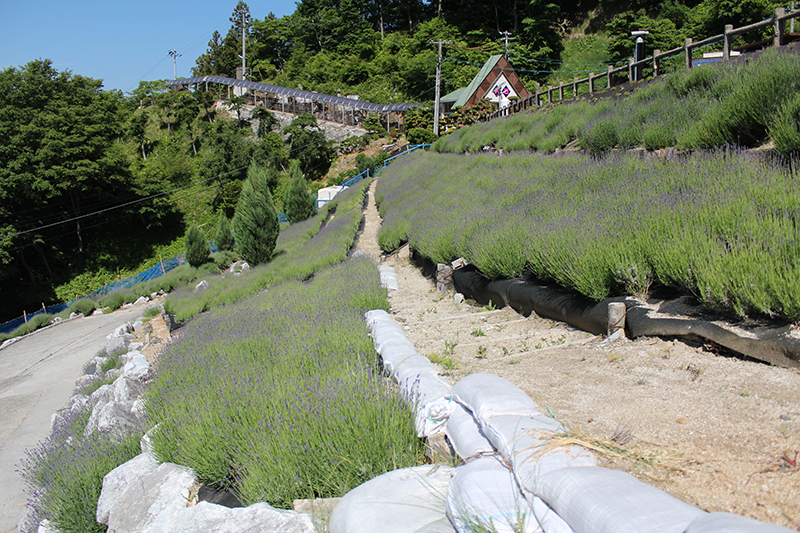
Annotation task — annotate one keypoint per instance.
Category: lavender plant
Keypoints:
(720, 224)
(278, 396)
(64, 474)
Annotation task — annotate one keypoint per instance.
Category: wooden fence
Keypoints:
(544, 96)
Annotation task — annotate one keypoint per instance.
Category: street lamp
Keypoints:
(638, 52)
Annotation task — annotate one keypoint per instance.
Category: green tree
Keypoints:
(266, 121)
(223, 237)
(196, 247)
(298, 203)
(256, 221)
(307, 144)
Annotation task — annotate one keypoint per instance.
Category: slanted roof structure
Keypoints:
(496, 80)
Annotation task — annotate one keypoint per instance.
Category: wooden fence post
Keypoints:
(688, 49)
(656, 53)
(591, 82)
(610, 68)
(726, 47)
(574, 87)
(549, 94)
(630, 70)
(560, 90)
(779, 12)
(25, 315)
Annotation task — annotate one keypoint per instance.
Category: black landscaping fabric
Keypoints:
(767, 342)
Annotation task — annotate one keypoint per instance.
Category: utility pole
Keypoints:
(438, 86)
(175, 55)
(506, 37)
(245, 20)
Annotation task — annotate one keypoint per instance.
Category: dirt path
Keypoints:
(718, 432)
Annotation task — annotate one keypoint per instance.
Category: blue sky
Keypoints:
(118, 41)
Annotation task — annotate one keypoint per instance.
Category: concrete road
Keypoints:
(37, 377)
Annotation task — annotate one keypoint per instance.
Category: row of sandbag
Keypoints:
(520, 475)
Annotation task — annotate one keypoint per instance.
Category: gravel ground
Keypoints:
(718, 432)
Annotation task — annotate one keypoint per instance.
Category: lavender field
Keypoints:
(744, 103)
(280, 397)
(721, 225)
(302, 249)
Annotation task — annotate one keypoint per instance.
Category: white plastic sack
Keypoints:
(388, 277)
(432, 416)
(402, 501)
(599, 500)
(548, 520)
(411, 367)
(466, 437)
(529, 466)
(732, 523)
(482, 494)
(440, 526)
(487, 395)
(421, 389)
(396, 352)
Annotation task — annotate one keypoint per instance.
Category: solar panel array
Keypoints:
(296, 93)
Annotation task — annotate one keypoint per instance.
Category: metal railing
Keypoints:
(545, 96)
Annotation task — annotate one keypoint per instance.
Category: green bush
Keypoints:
(223, 237)
(420, 136)
(256, 221)
(83, 305)
(298, 204)
(197, 250)
(785, 131)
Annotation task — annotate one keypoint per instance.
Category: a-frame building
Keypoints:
(496, 81)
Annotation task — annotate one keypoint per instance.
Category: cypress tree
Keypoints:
(256, 221)
(196, 247)
(298, 204)
(222, 235)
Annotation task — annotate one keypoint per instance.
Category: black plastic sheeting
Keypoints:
(772, 343)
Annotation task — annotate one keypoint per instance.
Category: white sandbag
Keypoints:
(401, 501)
(599, 500)
(388, 277)
(421, 389)
(440, 526)
(511, 434)
(431, 417)
(411, 367)
(482, 494)
(732, 523)
(487, 395)
(547, 518)
(529, 465)
(465, 435)
(394, 353)
(374, 316)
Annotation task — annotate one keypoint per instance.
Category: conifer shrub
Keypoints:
(256, 221)
(420, 136)
(298, 204)
(197, 250)
(223, 237)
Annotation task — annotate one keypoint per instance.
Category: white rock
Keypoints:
(57, 320)
(46, 527)
(109, 417)
(138, 324)
(137, 367)
(84, 381)
(141, 300)
(127, 306)
(203, 285)
(152, 503)
(115, 344)
(211, 518)
(118, 480)
(122, 330)
(153, 295)
(76, 315)
(135, 346)
(103, 394)
(138, 410)
(458, 298)
(126, 391)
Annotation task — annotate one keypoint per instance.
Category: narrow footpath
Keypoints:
(715, 431)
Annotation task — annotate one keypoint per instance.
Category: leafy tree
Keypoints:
(307, 144)
(663, 34)
(223, 237)
(266, 120)
(373, 124)
(298, 204)
(222, 56)
(256, 221)
(196, 247)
